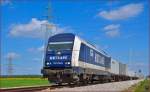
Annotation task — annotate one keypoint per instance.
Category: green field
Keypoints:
(144, 86)
(20, 82)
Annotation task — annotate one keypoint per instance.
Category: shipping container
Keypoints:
(114, 67)
(122, 69)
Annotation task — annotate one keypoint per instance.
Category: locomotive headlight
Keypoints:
(47, 63)
(67, 63)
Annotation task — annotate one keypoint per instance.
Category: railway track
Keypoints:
(29, 89)
(40, 88)
(36, 88)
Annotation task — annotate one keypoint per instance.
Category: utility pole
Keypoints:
(129, 56)
(130, 59)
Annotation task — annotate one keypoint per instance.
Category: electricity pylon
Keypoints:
(10, 66)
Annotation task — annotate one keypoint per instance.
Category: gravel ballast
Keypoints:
(106, 87)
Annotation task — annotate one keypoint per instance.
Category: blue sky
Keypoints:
(118, 27)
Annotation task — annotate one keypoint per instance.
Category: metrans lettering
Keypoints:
(58, 57)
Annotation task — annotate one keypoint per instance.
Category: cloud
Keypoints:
(112, 30)
(35, 29)
(12, 55)
(37, 49)
(123, 12)
(100, 47)
(141, 64)
(41, 49)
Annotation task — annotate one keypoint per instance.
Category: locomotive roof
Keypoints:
(71, 36)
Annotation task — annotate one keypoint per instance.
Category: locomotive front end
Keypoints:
(58, 55)
(57, 64)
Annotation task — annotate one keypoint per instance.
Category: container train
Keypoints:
(70, 59)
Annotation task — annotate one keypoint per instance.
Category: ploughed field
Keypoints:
(22, 82)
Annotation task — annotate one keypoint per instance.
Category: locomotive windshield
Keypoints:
(60, 46)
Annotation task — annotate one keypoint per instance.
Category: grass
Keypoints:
(19, 82)
(144, 86)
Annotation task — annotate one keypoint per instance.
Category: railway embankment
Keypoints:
(106, 87)
(143, 86)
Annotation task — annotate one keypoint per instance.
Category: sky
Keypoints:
(120, 28)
